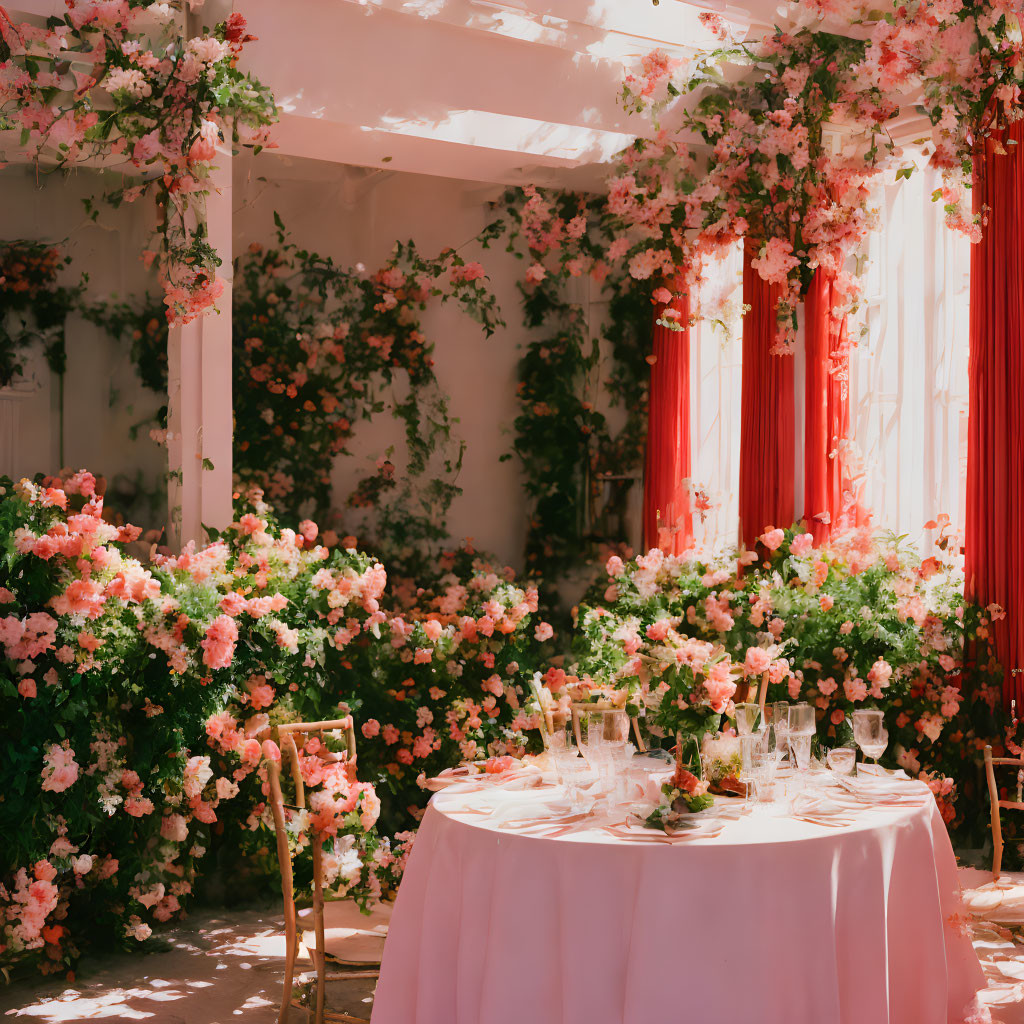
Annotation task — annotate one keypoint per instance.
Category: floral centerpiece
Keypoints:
(861, 622)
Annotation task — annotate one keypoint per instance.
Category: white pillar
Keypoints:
(199, 410)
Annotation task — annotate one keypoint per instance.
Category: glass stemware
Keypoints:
(870, 733)
(842, 760)
(780, 724)
(746, 720)
(801, 727)
(603, 734)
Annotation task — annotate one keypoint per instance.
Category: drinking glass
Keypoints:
(801, 730)
(780, 723)
(603, 733)
(800, 744)
(746, 718)
(870, 733)
(764, 770)
(801, 719)
(842, 760)
(571, 770)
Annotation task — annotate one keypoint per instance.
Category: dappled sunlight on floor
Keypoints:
(221, 967)
(997, 909)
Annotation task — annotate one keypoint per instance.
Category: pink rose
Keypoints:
(219, 643)
(772, 539)
(756, 661)
(657, 631)
(801, 544)
(614, 566)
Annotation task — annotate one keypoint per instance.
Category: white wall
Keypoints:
(348, 213)
(355, 215)
(103, 398)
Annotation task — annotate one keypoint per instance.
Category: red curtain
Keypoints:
(827, 410)
(667, 520)
(767, 415)
(994, 554)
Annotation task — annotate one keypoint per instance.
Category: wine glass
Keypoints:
(746, 719)
(870, 733)
(842, 760)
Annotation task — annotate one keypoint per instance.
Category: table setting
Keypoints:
(602, 882)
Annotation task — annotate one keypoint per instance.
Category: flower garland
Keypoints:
(768, 175)
(116, 80)
(795, 130)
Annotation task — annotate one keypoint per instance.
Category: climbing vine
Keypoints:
(317, 348)
(579, 436)
(33, 306)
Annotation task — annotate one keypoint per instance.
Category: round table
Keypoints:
(773, 921)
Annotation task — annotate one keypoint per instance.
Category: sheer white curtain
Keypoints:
(716, 355)
(908, 374)
(909, 371)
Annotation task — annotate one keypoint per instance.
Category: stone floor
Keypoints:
(221, 966)
(225, 966)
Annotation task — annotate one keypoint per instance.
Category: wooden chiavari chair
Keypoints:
(286, 737)
(993, 792)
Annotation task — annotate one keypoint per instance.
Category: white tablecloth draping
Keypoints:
(773, 921)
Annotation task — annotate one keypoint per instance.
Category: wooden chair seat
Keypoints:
(351, 938)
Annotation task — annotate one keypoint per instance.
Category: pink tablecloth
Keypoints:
(774, 921)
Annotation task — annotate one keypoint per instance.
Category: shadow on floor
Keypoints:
(222, 966)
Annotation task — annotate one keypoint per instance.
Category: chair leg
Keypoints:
(291, 941)
(320, 958)
(997, 856)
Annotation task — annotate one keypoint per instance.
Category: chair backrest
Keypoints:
(289, 738)
(991, 763)
(293, 735)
